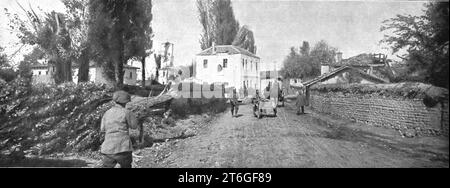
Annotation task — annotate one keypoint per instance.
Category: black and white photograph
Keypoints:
(224, 84)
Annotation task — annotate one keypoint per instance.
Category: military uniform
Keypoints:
(234, 104)
(301, 102)
(256, 101)
(116, 122)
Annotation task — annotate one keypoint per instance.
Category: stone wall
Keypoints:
(408, 115)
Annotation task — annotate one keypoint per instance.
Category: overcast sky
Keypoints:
(351, 26)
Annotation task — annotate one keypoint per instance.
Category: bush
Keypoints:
(8, 74)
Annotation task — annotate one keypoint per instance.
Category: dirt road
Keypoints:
(288, 140)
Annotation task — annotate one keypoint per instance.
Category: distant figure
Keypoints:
(258, 96)
(234, 104)
(301, 101)
(256, 100)
(117, 147)
(280, 91)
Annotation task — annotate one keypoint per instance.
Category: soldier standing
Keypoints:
(301, 100)
(234, 104)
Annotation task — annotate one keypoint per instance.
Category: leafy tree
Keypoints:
(245, 39)
(24, 69)
(425, 39)
(6, 72)
(48, 31)
(218, 22)
(3, 59)
(292, 67)
(305, 64)
(304, 49)
(117, 30)
(322, 53)
(145, 35)
(77, 20)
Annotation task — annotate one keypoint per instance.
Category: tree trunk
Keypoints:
(108, 73)
(67, 71)
(119, 58)
(63, 71)
(83, 70)
(119, 73)
(157, 75)
(57, 75)
(143, 71)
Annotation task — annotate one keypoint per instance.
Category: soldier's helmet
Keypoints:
(121, 97)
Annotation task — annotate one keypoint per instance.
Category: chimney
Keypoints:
(213, 47)
(339, 57)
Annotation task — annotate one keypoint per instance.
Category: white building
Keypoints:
(230, 65)
(42, 73)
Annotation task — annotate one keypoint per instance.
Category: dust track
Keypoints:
(310, 140)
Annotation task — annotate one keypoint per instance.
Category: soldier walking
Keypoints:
(234, 104)
(116, 122)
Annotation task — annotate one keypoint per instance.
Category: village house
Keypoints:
(42, 74)
(230, 65)
(363, 68)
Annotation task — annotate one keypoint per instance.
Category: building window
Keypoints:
(39, 72)
(243, 63)
(205, 63)
(46, 72)
(131, 75)
(256, 66)
(246, 64)
(225, 63)
(251, 65)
